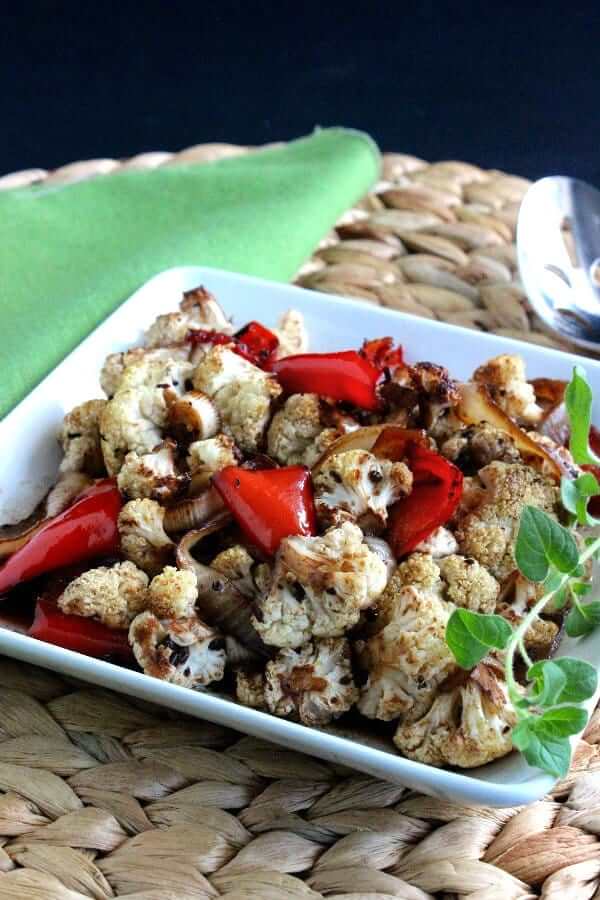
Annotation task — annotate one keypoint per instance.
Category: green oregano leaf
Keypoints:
(578, 402)
(560, 722)
(551, 755)
(581, 678)
(471, 635)
(583, 618)
(549, 682)
(541, 543)
(576, 493)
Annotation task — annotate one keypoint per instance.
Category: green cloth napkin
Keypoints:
(70, 255)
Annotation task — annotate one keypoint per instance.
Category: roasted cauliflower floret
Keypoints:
(143, 537)
(213, 454)
(134, 417)
(80, 439)
(116, 363)
(505, 378)
(441, 542)
(294, 429)
(313, 684)
(355, 484)
(469, 584)
(241, 392)
(152, 475)
(292, 334)
(491, 506)
(198, 309)
(250, 689)
(518, 595)
(466, 726)
(183, 651)
(476, 446)
(173, 593)
(408, 659)
(113, 595)
(320, 585)
(235, 563)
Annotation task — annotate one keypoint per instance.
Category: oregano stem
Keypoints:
(518, 638)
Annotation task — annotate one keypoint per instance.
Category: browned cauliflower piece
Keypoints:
(152, 475)
(80, 439)
(355, 486)
(469, 584)
(116, 363)
(313, 683)
(518, 595)
(134, 418)
(198, 309)
(143, 537)
(505, 378)
(487, 520)
(292, 334)
(112, 595)
(183, 651)
(320, 585)
(476, 446)
(437, 394)
(295, 429)
(250, 689)
(408, 658)
(173, 593)
(466, 726)
(212, 454)
(441, 542)
(242, 393)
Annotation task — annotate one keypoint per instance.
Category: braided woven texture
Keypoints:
(102, 796)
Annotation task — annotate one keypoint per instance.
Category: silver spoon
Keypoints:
(558, 247)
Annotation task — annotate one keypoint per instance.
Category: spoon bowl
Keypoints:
(558, 247)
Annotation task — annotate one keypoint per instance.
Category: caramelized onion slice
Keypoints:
(65, 491)
(476, 405)
(220, 603)
(194, 512)
(549, 392)
(385, 441)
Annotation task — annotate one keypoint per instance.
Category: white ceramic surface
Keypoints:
(30, 458)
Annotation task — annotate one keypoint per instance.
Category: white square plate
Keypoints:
(30, 458)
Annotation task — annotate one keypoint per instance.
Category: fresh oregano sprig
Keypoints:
(548, 707)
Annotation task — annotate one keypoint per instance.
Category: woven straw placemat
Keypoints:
(102, 796)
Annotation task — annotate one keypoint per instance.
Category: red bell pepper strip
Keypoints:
(382, 354)
(88, 528)
(437, 489)
(256, 343)
(345, 376)
(78, 633)
(268, 504)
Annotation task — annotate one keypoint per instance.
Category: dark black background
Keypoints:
(507, 85)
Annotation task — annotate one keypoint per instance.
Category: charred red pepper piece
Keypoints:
(268, 504)
(204, 336)
(78, 633)
(382, 354)
(256, 343)
(345, 377)
(88, 528)
(437, 489)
